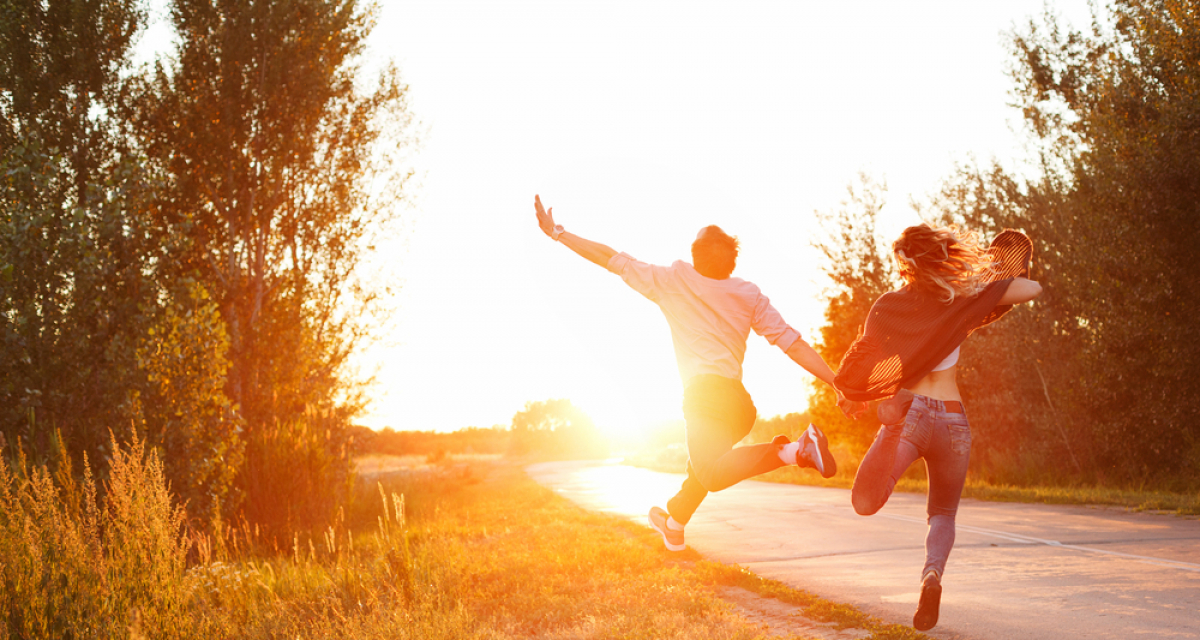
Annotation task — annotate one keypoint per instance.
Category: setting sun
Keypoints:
(641, 123)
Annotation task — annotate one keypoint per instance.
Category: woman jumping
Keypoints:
(907, 354)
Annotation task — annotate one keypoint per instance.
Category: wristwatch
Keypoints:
(558, 231)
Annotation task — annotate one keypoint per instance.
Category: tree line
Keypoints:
(544, 429)
(182, 243)
(1094, 383)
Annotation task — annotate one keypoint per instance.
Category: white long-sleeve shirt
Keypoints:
(710, 319)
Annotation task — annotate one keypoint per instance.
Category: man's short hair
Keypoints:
(714, 253)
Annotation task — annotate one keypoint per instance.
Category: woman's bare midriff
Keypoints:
(939, 385)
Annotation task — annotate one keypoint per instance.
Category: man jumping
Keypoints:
(711, 315)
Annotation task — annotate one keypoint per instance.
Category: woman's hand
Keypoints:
(853, 409)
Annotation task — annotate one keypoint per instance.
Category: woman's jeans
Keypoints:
(944, 441)
(719, 413)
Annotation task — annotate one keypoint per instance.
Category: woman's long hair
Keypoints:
(945, 261)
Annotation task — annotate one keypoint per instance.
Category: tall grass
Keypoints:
(75, 566)
(452, 551)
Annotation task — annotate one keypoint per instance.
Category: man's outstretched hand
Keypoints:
(545, 217)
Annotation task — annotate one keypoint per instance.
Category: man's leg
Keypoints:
(719, 413)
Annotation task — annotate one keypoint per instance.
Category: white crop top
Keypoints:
(950, 360)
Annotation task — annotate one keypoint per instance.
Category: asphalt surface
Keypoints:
(1017, 572)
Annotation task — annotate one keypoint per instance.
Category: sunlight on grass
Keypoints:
(449, 550)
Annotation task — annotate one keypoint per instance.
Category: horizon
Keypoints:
(611, 115)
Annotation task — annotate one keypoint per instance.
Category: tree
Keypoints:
(1094, 381)
(186, 410)
(860, 271)
(556, 427)
(1119, 112)
(60, 66)
(281, 170)
(77, 253)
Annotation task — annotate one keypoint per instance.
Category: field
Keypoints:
(464, 547)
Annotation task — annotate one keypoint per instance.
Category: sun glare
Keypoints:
(621, 131)
(628, 491)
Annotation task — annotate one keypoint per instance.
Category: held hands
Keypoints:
(853, 409)
(545, 217)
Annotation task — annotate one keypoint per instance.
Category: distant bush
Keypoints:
(387, 441)
(302, 472)
(557, 429)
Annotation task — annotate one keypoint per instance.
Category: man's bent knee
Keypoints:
(710, 483)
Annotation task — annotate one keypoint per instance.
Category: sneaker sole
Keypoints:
(826, 455)
(926, 617)
(669, 545)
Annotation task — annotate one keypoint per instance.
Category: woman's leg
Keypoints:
(872, 485)
(946, 460)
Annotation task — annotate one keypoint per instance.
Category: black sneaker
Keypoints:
(926, 616)
(672, 538)
(893, 410)
(814, 452)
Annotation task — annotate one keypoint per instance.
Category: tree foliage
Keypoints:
(77, 252)
(1094, 381)
(1117, 115)
(181, 247)
(278, 187)
(557, 428)
(185, 358)
(860, 271)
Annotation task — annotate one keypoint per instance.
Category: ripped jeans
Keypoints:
(944, 441)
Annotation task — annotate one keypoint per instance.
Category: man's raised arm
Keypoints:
(593, 251)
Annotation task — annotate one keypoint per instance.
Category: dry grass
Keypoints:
(457, 549)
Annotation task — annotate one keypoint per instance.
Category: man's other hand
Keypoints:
(545, 217)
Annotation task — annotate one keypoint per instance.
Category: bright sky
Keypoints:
(640, 122)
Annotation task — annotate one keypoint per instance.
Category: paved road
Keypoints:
(1018, 571)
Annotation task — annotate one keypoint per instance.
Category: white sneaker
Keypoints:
(672, 538)
(814, 452)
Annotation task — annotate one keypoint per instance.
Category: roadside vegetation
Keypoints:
(186, 273)
(458, 549)
(1091, 388)
(672, 458)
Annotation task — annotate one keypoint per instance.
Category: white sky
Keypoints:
(640, 122)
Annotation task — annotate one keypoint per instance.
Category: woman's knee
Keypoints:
(865, 504)
(945, 513)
